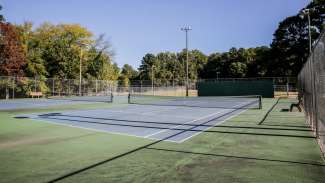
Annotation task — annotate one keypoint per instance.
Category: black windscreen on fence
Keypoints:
(236, 88)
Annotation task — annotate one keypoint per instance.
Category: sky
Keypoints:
(137, 27)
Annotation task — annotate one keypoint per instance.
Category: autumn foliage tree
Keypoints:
(1, 16)
(12, 57)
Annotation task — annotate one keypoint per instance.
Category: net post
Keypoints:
(112, 97)
(259, 102)
(129, 98)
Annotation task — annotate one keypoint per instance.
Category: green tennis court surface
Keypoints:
(280, 148)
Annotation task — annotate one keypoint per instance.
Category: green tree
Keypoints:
(197, 62)
(170, 68)
(100, 64)
(31, 45)
(60, 49)
(258, 66)
(147, 63)
(290, 44)
(214, 65)
(127, 74)
(238, 69)
(2, 18)
(164, 68)
(251, 62)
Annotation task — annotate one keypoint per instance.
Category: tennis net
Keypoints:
(86, 98)
(227, 102)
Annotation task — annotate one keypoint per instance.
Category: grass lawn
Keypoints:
(280, 149)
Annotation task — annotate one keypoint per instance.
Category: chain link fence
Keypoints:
(24, 87)
(311, 82)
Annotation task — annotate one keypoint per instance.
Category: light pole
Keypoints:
(80, 64)
(303, 13)
(152, 79)
(186, 30)
(80, 68)
(218, 75)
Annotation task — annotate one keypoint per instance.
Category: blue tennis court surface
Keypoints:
(146, 121)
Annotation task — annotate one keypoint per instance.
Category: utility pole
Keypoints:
(80, 67)
(82, 45)
(218, 75)
(309, 30)
(186, 30)
(152, 80)
(303, 13)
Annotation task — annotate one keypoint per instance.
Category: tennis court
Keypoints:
(173, 119)
(166, 134)
(29, 103)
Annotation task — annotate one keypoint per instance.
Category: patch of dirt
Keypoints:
(39, 141)
(209, 169)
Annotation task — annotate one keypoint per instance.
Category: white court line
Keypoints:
(118, 111)
(152, 111)
(161, 131)
(145, 114)
(196, 120)
(127, 134)
(91, 129)
(197, 133)
(161, 110)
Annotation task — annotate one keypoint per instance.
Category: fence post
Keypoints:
(140, 86)
(96, 86)
(13, 88)
(69, 89)
(53, 87)
(314, 95)
(35, 90)
(7, 93)
(287, 87)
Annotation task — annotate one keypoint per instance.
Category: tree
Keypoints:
(35, 66)
(145, 69)
(2, 19)
(290, 44)
(259, 64)
(197, 62)
(238, 69)
(213, 66)
(164, 69)
(127, 74)
(12, 57)
(60, 49)
(250, 62)
(100, 64)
